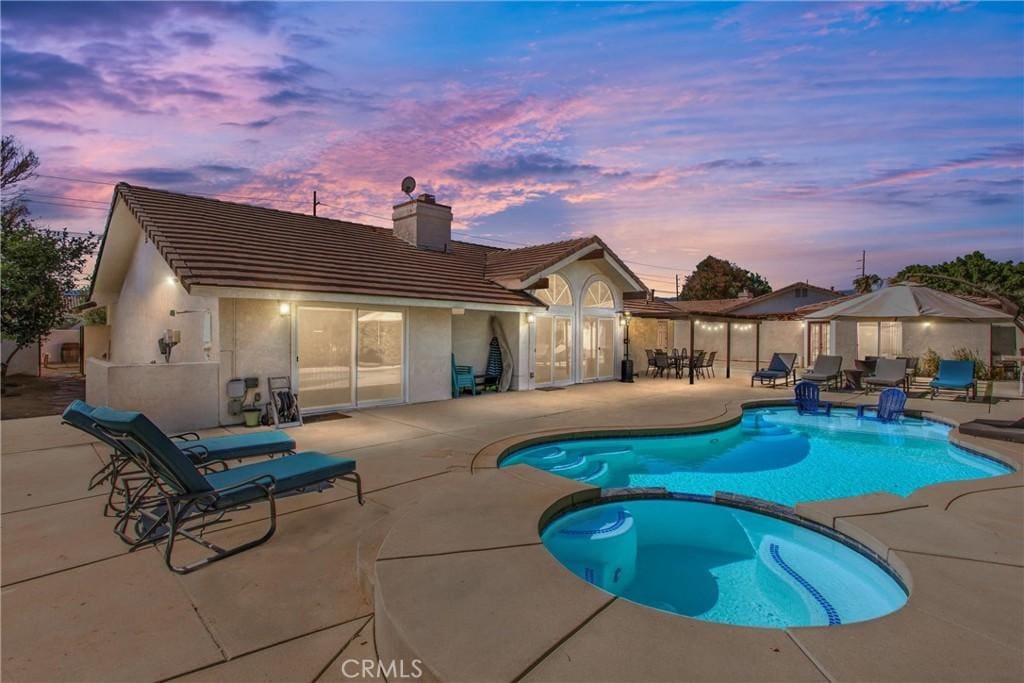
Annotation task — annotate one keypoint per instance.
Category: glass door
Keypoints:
(380, 371)
(552, 351)
(324, 355)
(817, 340)
(598, 347)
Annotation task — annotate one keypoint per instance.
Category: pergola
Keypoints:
(644, 308)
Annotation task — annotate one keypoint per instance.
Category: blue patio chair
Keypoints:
(890, 406)
(462, 378)
(808, 400)
(955, 375)
(189, 498)
(210, 450)
(781, 366)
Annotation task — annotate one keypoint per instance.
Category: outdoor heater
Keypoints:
(627, 362)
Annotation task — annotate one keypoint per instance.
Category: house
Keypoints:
(354, 315)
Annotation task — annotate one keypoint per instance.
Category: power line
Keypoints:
(70, 206)
(66, 198)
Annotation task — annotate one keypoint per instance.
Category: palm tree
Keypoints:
(866, 284)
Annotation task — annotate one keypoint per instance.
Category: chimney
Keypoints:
(424, 223)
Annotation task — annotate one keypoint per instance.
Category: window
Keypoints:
(598, 296)
(557, 292)
(880, 339)
(663, 342)
(800, 292)
(817, 340)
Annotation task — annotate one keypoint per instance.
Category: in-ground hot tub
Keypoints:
(721, 563)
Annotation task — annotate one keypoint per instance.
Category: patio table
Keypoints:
(852, 378)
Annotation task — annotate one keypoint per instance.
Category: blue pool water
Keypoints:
(723, 564)
(774, 454)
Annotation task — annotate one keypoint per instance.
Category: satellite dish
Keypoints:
(408, 185)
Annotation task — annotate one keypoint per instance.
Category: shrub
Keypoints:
(929, 363)
(981, 370)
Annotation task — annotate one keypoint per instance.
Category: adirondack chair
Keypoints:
(890, 406)
(462, 378)
(808, 401)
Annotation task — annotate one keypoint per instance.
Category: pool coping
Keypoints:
(402, 632)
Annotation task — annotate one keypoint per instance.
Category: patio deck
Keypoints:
(77, 606)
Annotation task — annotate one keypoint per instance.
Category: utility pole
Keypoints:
(863, 263)
(315, 202)
(678, 291)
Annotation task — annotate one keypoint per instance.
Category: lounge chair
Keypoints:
(808, 400)
(210, 450)
(781, 367)
(1004, 430)
(462, 378)
(189, 497)
(955, 375)
(891, 403)
(889, 372)
(826, 371)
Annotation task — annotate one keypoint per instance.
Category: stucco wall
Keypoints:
(471, 334)
(56, 339)
(176, 396)
(944, 337)
(142, 313)
(255, 341)
(783, 336)
(97, 342)
(24, 362)
(786, 302)
(429, 354)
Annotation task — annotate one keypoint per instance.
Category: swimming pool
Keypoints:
(774, 454)
(719, 563)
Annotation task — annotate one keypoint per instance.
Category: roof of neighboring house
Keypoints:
(649, 308)
(743, 303)
(707, 305)
(210, 242)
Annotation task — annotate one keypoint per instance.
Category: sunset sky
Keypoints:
(784, 137)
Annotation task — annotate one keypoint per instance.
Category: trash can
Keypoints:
(627, 370)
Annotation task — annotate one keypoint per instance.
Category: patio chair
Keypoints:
(808, 400)
(462, 378)
(781, 366)
(955, 375)
(652, 368)
(889, 372)
(1004, 430)
(210, 450)
(891, 403)
(707, 364)
(826, 370)
(189, 498)
(694, 363)
(661, 364)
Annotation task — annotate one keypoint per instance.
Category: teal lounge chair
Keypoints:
(955, 375)
(808, 400)
(189, 498)
(211, 450)
(891, 403)
(462, 378)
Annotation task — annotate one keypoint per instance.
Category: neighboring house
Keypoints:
(355, 315)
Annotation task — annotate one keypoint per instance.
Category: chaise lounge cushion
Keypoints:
(240, 445)
(1004, 430)
(294, 472)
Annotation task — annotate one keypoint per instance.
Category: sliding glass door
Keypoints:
(553, 350)
(347, 357)
(598, 346)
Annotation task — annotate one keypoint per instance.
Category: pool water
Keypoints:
(774, 454)
(722, 564)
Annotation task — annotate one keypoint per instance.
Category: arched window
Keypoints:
(598, 296)
(557, 292)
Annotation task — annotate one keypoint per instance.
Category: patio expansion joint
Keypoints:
(547, 653)
(50, 505)
(878, 513)
(344, 646)
(958, 557)
(263, 648)
(988, 490)
(460, 552)
(64, 569)
(810, 657)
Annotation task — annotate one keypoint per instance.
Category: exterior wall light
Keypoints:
(171, 280)
(531, 318)
(285, 308)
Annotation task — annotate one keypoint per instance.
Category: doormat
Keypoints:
(550, 388)
(325, 417)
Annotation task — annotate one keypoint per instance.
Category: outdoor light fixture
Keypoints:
(531, 318)
(285, 308)
(626, 369)
(171, 280)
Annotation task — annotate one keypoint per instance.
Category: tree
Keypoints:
(16, 165)
(973, 273)
(865, 284)
(36, 265)
(716, 278)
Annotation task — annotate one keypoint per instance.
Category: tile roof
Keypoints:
(222, 244)
(525, 262)
(708, 305)
(650, 309)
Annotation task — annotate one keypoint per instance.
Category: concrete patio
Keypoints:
(77, 606)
